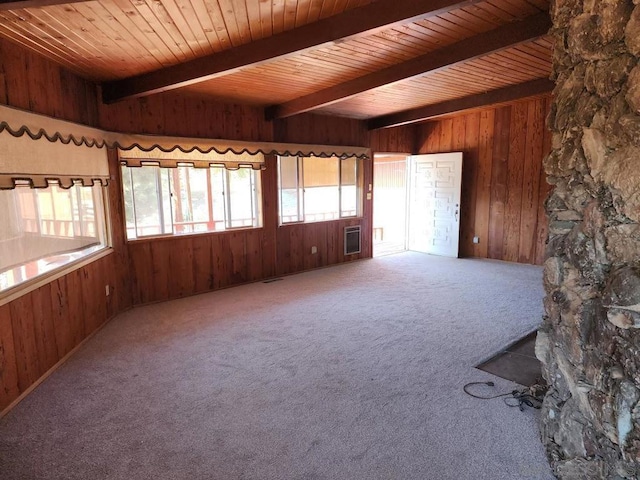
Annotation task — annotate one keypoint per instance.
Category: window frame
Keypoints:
(16, 291)
(300, 189)
(256, 199)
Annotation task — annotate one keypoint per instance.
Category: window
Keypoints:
(185, 199)
(47, 228)
(314, 189)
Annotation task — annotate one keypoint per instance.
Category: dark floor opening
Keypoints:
(517, 362)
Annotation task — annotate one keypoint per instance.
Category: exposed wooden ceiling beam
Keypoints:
(493, 41)
(17, 5)
(357, 22)
(506, 94)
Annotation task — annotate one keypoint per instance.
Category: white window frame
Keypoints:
(300, 188)
(106, 248)
(256, 210)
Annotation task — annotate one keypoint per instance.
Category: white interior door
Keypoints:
(434, 203)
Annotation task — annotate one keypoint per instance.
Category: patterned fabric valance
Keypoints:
(67, 152)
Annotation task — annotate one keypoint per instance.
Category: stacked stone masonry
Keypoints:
(590, 339)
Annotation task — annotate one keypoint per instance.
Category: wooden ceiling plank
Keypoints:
(130, 18)
(373, 55)
(484, 76)
(432, 29)
(252, 7)
(519, 59)
(302, 12)
(141, 11)
(475, 23)
(54, 52)
(187, 20)
(426, 34)
(42, 29)
(327, 8)
(290, 9)
(506, 94)
(231, 22)
(470, 82)
(84, 31)
(129, 46)
(522, 55)
(179, 49)
(464, 51)
(6, 5)
(349, 64)
(362, 21)
(217, 19)
(180, 34)
(494, 66)
(277, 16)
(411, 36)
(456, 26)
(339, 7)
(265, 10)
(331, 72)
(542, 47)
(239, 9)
(208, 28)
(396, 51)
(490, 12)
(315, 9)
(52, 30)
(135, 29)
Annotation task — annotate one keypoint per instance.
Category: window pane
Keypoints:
(186, 200)
(191, 200)
(32, 244)
(219, 205)
(240, 190)
(151, 201)
(349, 189)
(129, 212)
(321, 177)
(289, 190)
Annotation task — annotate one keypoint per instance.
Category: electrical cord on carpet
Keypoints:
(526, 397)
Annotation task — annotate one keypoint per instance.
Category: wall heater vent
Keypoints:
(351, 240)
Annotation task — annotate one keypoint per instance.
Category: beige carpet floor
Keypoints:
(350, 372)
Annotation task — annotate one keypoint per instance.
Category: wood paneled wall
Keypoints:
(39, 328)
(321, 130)
(175, 267)
(29, 82)
(503, 182)
(395, 140)
(188, 116)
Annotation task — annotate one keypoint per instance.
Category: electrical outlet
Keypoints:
(107, 290)
(476, 239)
(314, 249)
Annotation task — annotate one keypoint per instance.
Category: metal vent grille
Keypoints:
(352, 240)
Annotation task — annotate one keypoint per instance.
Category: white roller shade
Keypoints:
(40, 162)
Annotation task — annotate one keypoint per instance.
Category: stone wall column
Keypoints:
(590, 339)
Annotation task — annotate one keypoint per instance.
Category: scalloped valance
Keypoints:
(75, 141)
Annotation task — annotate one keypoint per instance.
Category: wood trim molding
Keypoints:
(507, 94)
(354, 23)
(480, 45)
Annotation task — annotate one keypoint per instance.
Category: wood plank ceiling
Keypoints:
(438, 51)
